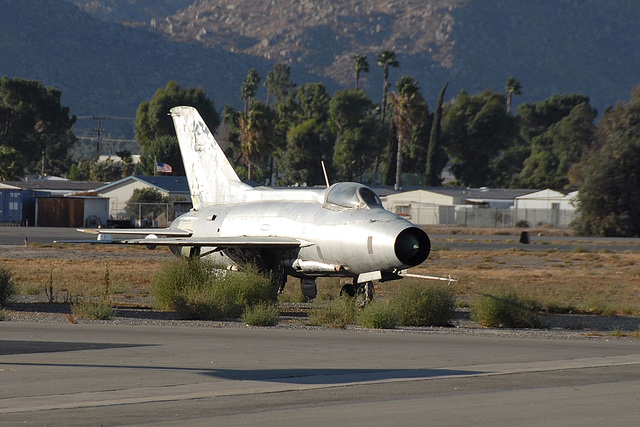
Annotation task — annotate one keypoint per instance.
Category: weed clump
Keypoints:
(378, 315)
(432, 305)
(8, 287)
(337, 313)
(261, 314)
(505, 310)
(195, 289)
(95, 310)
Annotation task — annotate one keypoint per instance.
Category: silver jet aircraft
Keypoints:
(340, 231)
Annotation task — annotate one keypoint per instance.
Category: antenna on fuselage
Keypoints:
(326, 177)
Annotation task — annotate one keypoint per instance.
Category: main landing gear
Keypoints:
(364, 290)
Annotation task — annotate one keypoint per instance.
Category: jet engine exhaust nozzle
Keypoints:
(412, 246)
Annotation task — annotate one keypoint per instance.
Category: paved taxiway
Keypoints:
(101, 374)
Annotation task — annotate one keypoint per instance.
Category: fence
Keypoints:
(482, 217)
(147, 214)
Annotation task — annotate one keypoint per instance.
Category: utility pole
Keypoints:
(98, 132)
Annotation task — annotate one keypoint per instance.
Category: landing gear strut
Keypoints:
(366, 290)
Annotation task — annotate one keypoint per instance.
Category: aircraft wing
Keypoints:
(177, 237)
(174, 232)
(218, 242)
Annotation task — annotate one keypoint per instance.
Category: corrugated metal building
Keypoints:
(10, 204)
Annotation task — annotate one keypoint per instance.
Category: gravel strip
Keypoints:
(36, 309)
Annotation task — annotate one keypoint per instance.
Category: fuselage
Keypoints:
(344, 231)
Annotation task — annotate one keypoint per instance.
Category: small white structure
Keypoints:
(548, 207)
(450, 205)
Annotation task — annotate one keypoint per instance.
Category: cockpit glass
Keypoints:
(369, 197)
(353, 195)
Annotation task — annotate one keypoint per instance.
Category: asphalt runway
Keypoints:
(47, 235)
(103, 374)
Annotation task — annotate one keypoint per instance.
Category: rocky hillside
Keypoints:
(109, 55)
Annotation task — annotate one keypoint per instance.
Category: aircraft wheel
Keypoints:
(349, 290)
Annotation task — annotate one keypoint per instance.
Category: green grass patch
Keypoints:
(95, 310)
(505, 309)
(336, 313)
(261, 314)
(424, 305)
(378, 315)
(196, 289)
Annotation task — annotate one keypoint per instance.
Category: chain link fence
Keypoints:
(483, 217)
(143, 215)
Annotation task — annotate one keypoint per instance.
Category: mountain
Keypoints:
(105, 68)
(109, 55)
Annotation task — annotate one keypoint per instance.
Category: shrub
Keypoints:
(504, 310)
(197, 290)
(96, 310)
(337, 313)
(378, 315)
(261, 314)
(8, 288)
(425, 305)
(3, 315)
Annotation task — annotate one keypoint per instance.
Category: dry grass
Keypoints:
(597, 282)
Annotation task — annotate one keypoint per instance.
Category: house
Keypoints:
(119, 193)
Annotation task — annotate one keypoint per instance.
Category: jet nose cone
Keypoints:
(412, 246)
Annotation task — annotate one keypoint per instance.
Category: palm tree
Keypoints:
(249, 87)
(385, 60)
(513, 87)
(409, 112)
(360, 64)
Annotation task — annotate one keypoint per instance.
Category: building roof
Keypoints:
(168, 184)
(59, 186)
(483, 193)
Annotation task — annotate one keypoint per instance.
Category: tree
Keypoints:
(409, 113)
(153, 122)
(536, 118)
(386, 59)
(558, 149)
(360, 65)
(105, 171)
(513, 87)
(250, 85)
(308, 144)
(352, 120)
(10, 164)
(163, 149)
(278, 83)
(475, 130)
(435, 151)
(146, 202)
(257, 135)
(609, 194)
(36, 126)
(313, 100)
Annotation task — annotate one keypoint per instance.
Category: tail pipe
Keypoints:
(412, 246)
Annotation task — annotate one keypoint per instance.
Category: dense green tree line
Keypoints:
(286, 138)
(35, 130)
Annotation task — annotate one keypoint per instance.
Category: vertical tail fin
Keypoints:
(211, 177)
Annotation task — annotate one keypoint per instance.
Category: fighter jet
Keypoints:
(339, 231)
